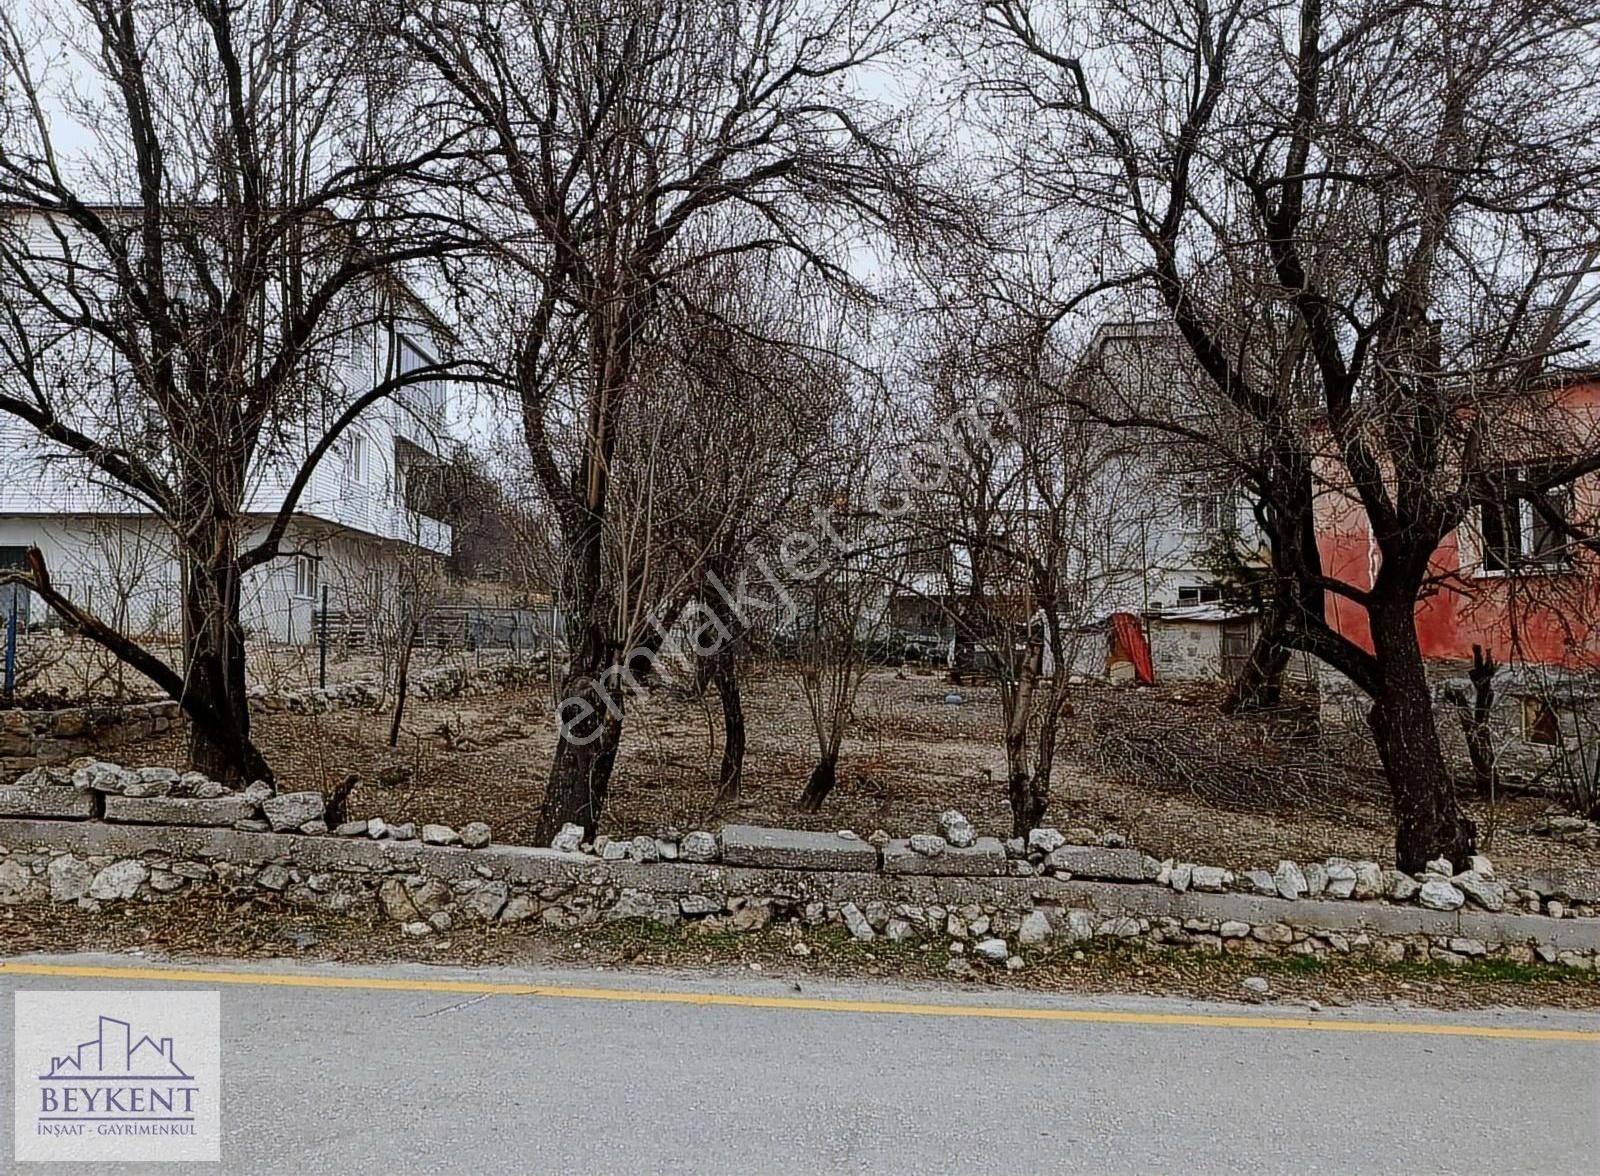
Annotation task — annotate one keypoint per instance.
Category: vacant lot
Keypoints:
(1160, 766)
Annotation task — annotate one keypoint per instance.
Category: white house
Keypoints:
(1168, 505)
(358, 525)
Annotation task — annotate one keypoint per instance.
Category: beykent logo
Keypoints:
(118, 1077)
(116, 1084)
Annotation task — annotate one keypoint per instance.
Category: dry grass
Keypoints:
(908, 757)
(209, 924)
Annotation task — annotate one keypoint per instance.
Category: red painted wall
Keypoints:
(1534, 617)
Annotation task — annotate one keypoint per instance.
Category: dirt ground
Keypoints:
(54, 670)
(910, 755)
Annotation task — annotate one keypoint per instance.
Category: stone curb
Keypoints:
(535, 866)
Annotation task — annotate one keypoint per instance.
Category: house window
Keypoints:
(1514, 533)
(305, 577)
(425, 397)
(356, 459)
(1540, 723)
(1199, 594)
(1207, 512)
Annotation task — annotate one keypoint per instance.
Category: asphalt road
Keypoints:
(449, 1071)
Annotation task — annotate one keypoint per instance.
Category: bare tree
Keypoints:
(1016, 513)
(1371, 224)
(752, 437)
(618, 132)
(206, 297)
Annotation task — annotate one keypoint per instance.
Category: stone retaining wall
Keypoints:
(979, 919)
(29, 738)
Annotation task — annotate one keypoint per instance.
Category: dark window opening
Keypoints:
(1199, 594)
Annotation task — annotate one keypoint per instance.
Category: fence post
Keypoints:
(322, 644)
(11, 645)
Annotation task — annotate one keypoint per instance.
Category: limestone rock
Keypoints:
(993, 950)
(1439, 895)
(118, 880)
(568, 840)
(956, 829)
(1035, 928)
(46, 800)
(487, 901)
(643, 849)
(431, 895)
(1119, 927)
(795, 849)
(856, 923)
(1181, 876)
(69, 878)
(289, 810)
(1401, 887)
(1486, 892)
(1289, 880)
(15, 879)
(1369, 880)
(475, 835)
(1261, 882)
(272, 877)
(927, 844)
(1080, 925)
(1341, 880)
(984, 857)
(440, 835)
(1098, 862)
(698, 846)
(1316, 879)
(1256, 984)
(352, 829)
(1045, 839)
(519, 908)
(1212, 879)
(396, 901)
(403, 832)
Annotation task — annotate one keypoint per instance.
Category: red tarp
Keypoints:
(1128, 639)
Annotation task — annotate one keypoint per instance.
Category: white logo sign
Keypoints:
(119, 1076)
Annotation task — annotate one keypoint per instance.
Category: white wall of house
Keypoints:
(1158, 504)
(123, 570)
(117, 559)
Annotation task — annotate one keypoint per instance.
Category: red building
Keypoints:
(1505, 578)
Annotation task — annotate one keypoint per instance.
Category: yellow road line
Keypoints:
(792, 1003)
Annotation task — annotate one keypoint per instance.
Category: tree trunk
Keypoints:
(1429, 822)
(823, 777)
(214, 670)
(402, 680)
(1259, 685)
(1475, 721)
(730, 778)
(590, 711)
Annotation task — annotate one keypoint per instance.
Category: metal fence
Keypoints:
(466, 627)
